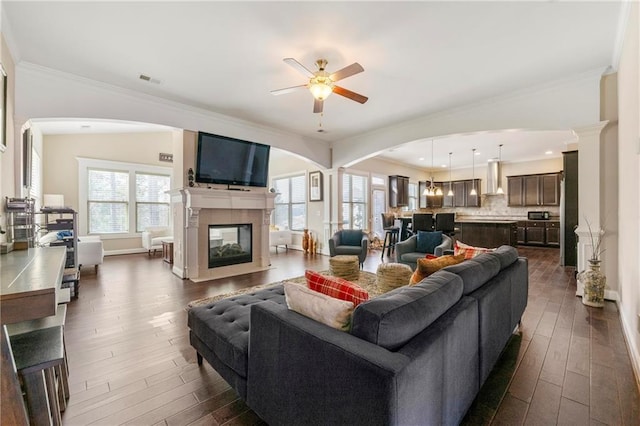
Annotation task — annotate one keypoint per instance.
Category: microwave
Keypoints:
(538, 215)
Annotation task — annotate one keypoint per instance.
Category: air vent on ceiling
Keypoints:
(148, 79)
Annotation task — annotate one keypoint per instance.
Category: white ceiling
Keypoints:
(419, 57)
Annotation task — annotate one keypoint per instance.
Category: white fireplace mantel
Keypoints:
(193, 207)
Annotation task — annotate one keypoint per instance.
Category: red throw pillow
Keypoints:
(469, 251)
(336, 287)
(430, 256)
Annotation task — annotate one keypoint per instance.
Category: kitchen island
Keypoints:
(486, 232)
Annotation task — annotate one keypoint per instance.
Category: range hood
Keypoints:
(494, 176)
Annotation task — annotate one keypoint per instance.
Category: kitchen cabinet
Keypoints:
(522, 232)
(534, 190)
(552, 234)
(539, 232)
(490, 234)
(398, 191)
(535, 233)
(461, 197)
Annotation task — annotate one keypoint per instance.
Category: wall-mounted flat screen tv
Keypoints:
(229, 161)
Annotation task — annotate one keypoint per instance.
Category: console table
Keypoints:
(30, 281)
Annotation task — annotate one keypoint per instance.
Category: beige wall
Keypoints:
(8, 160)
(60, 167)
(629, 184)
(282, 163)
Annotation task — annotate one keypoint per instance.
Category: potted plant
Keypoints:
(592, 279)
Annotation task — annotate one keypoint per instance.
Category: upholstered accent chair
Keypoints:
(349, 241)
(419, 245)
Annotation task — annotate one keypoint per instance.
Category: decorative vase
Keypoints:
(593, 284)
(305, 241)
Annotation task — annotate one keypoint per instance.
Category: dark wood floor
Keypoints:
(130, 360)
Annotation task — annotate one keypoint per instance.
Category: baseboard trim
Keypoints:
(627, 330)
(127, 251)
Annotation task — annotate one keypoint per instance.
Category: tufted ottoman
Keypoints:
(220, 333)
(393, 275)
(345, 266)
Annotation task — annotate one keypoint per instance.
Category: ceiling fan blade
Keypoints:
(317, 106)
(297, 65)
(345, 72)
(349, 94)
(287, 89)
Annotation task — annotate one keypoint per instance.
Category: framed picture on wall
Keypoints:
(3, 109)
(315, 186)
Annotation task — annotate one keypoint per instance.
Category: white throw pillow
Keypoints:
(320, 307)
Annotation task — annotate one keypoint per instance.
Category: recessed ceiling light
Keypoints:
(477, 153)
(85, 126)
(444, 166)
(421, 159)
(548, 152)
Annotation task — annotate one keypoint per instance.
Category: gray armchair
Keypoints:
(407, 251)
(350, 242)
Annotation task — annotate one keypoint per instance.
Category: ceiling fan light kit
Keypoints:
(321, 83)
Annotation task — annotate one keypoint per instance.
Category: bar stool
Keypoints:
(39, 358)
(61, 371)
(391, 228)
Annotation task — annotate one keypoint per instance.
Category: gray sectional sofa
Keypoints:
(415, 355)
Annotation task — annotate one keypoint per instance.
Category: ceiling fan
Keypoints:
(321, 83)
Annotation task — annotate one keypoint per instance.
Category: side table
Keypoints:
(167, 251)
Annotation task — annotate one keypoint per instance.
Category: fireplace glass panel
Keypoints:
(230, 244)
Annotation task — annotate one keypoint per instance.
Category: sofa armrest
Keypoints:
(365, 242)
(444, 245)
(334, 241)
(301, 370)
(406, 246)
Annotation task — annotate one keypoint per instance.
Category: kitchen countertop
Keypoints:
(497, 221)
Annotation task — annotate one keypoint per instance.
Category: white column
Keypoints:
(192, 215)
(589, 191)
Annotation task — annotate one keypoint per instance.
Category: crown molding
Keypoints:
(623, 21)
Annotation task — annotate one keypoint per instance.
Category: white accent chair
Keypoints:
(90, 251)
(152, 237)
(280, 238)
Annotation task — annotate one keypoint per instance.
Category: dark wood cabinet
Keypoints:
(535, 233)
(522, 232)
(515, 195)
(570, 176)
(436, 201)
(398, 191)
(534, 190)
(487, 234)
(459, 194)
(552, 234)
(472, 200)
(539, 232)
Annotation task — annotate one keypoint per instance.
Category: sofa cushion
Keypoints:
(318, 306)
(336, 287)
(426, 267)
(224, 325)
(475, 272)
(427, 241)
(394, 318)
(351, 237)
(505, 254)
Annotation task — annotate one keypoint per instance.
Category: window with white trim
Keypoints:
(354, 201)
(122, 198)
(413, 198)
(290, 210)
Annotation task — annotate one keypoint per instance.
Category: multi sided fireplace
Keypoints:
(230, 244)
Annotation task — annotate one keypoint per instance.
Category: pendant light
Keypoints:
(499, 191)
(432, 190)
(473, 157)
(450, 193)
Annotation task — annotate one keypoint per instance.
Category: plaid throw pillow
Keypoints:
(336, 287)
(469, 251)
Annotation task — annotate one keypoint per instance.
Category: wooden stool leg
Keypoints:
(52, 393)
(37, 400)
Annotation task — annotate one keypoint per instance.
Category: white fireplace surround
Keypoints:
(194, 209)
